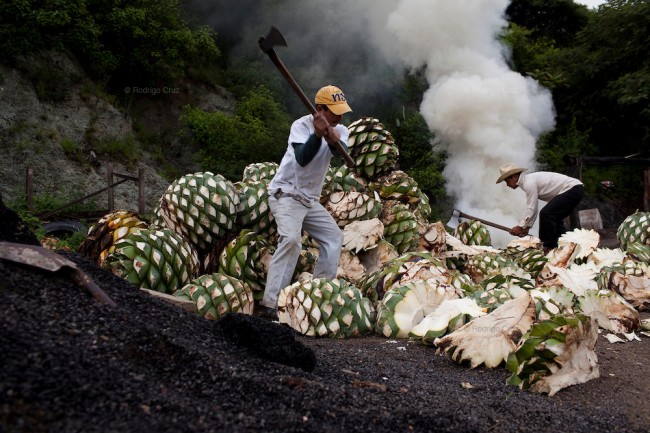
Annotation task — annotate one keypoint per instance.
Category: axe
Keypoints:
(275, 38)
(456, 215)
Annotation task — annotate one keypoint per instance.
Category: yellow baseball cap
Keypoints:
(334, 98)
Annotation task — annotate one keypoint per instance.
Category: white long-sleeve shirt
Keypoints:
(542, 185)
(305, 182)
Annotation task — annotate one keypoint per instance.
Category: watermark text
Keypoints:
(152, 90)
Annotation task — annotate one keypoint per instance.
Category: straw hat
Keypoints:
(508, 170)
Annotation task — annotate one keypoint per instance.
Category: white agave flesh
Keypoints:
(458, 245)
(490, 339)
(423, 270)
(577, 282)
(587, 270)
(577, 360)
(645, 324)
(525, 242)
(587, 240)
(422, 298)
(634, 289)
(606, 256)
(350, 267)
(611, 311)
(434, 234)
(363, 235)
(375, 259)
(439, 319)
(564, 255)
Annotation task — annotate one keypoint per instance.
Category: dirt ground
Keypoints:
(71, 364)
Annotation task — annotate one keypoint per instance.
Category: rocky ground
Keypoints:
(73, 364)
(69, 136)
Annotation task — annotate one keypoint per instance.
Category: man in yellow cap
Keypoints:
(294, 196)
(562, 194)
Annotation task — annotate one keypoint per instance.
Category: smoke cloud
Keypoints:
(481, 112)
(328, 42)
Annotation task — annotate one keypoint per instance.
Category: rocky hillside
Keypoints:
(54, 119)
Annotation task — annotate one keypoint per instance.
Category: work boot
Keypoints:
(266, 313)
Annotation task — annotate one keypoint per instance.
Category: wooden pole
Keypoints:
(646, 190)
(580, 164)
(28, 188)
(111, 191)
(141, 191)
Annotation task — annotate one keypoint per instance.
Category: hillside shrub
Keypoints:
(256, 133)
(123, 43)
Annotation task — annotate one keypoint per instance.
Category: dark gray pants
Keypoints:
(551, 226)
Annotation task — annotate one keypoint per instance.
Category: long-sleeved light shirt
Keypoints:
(305, 182)
(542, 185)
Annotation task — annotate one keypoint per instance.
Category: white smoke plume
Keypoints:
(482, 112)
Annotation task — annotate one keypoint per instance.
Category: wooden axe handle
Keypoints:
(305, 100)
(489, 223)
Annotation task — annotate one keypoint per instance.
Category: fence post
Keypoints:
(111, 192)
(646, 189)
(28, 188)
(140, 191)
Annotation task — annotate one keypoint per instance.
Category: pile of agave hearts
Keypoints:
(400, 275)
(539, 315)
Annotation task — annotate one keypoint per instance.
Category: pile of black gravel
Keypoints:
(71, 364)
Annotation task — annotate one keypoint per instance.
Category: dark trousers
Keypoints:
(551, 226)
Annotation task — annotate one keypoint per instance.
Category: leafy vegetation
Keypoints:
(119, 148)
(597, 66)
(256, 133)
(70, 242)
(42, 204)
(596, 63)
(124, 43)
(47, 202)
(71, 150)
(553, 20)
(598, 76)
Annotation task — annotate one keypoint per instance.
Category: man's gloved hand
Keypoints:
(519, 231)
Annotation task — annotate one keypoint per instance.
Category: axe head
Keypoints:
(455, 219)
(273, 39)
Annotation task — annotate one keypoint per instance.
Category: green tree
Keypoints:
(554, 20)
(608, 75)
(557, 148)
(151, 43)
(125, 43)
(533, 56)
(256, 133)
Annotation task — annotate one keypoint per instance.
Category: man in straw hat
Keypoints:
(294, 196)
(562, 194)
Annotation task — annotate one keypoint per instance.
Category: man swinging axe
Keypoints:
(562, 194)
